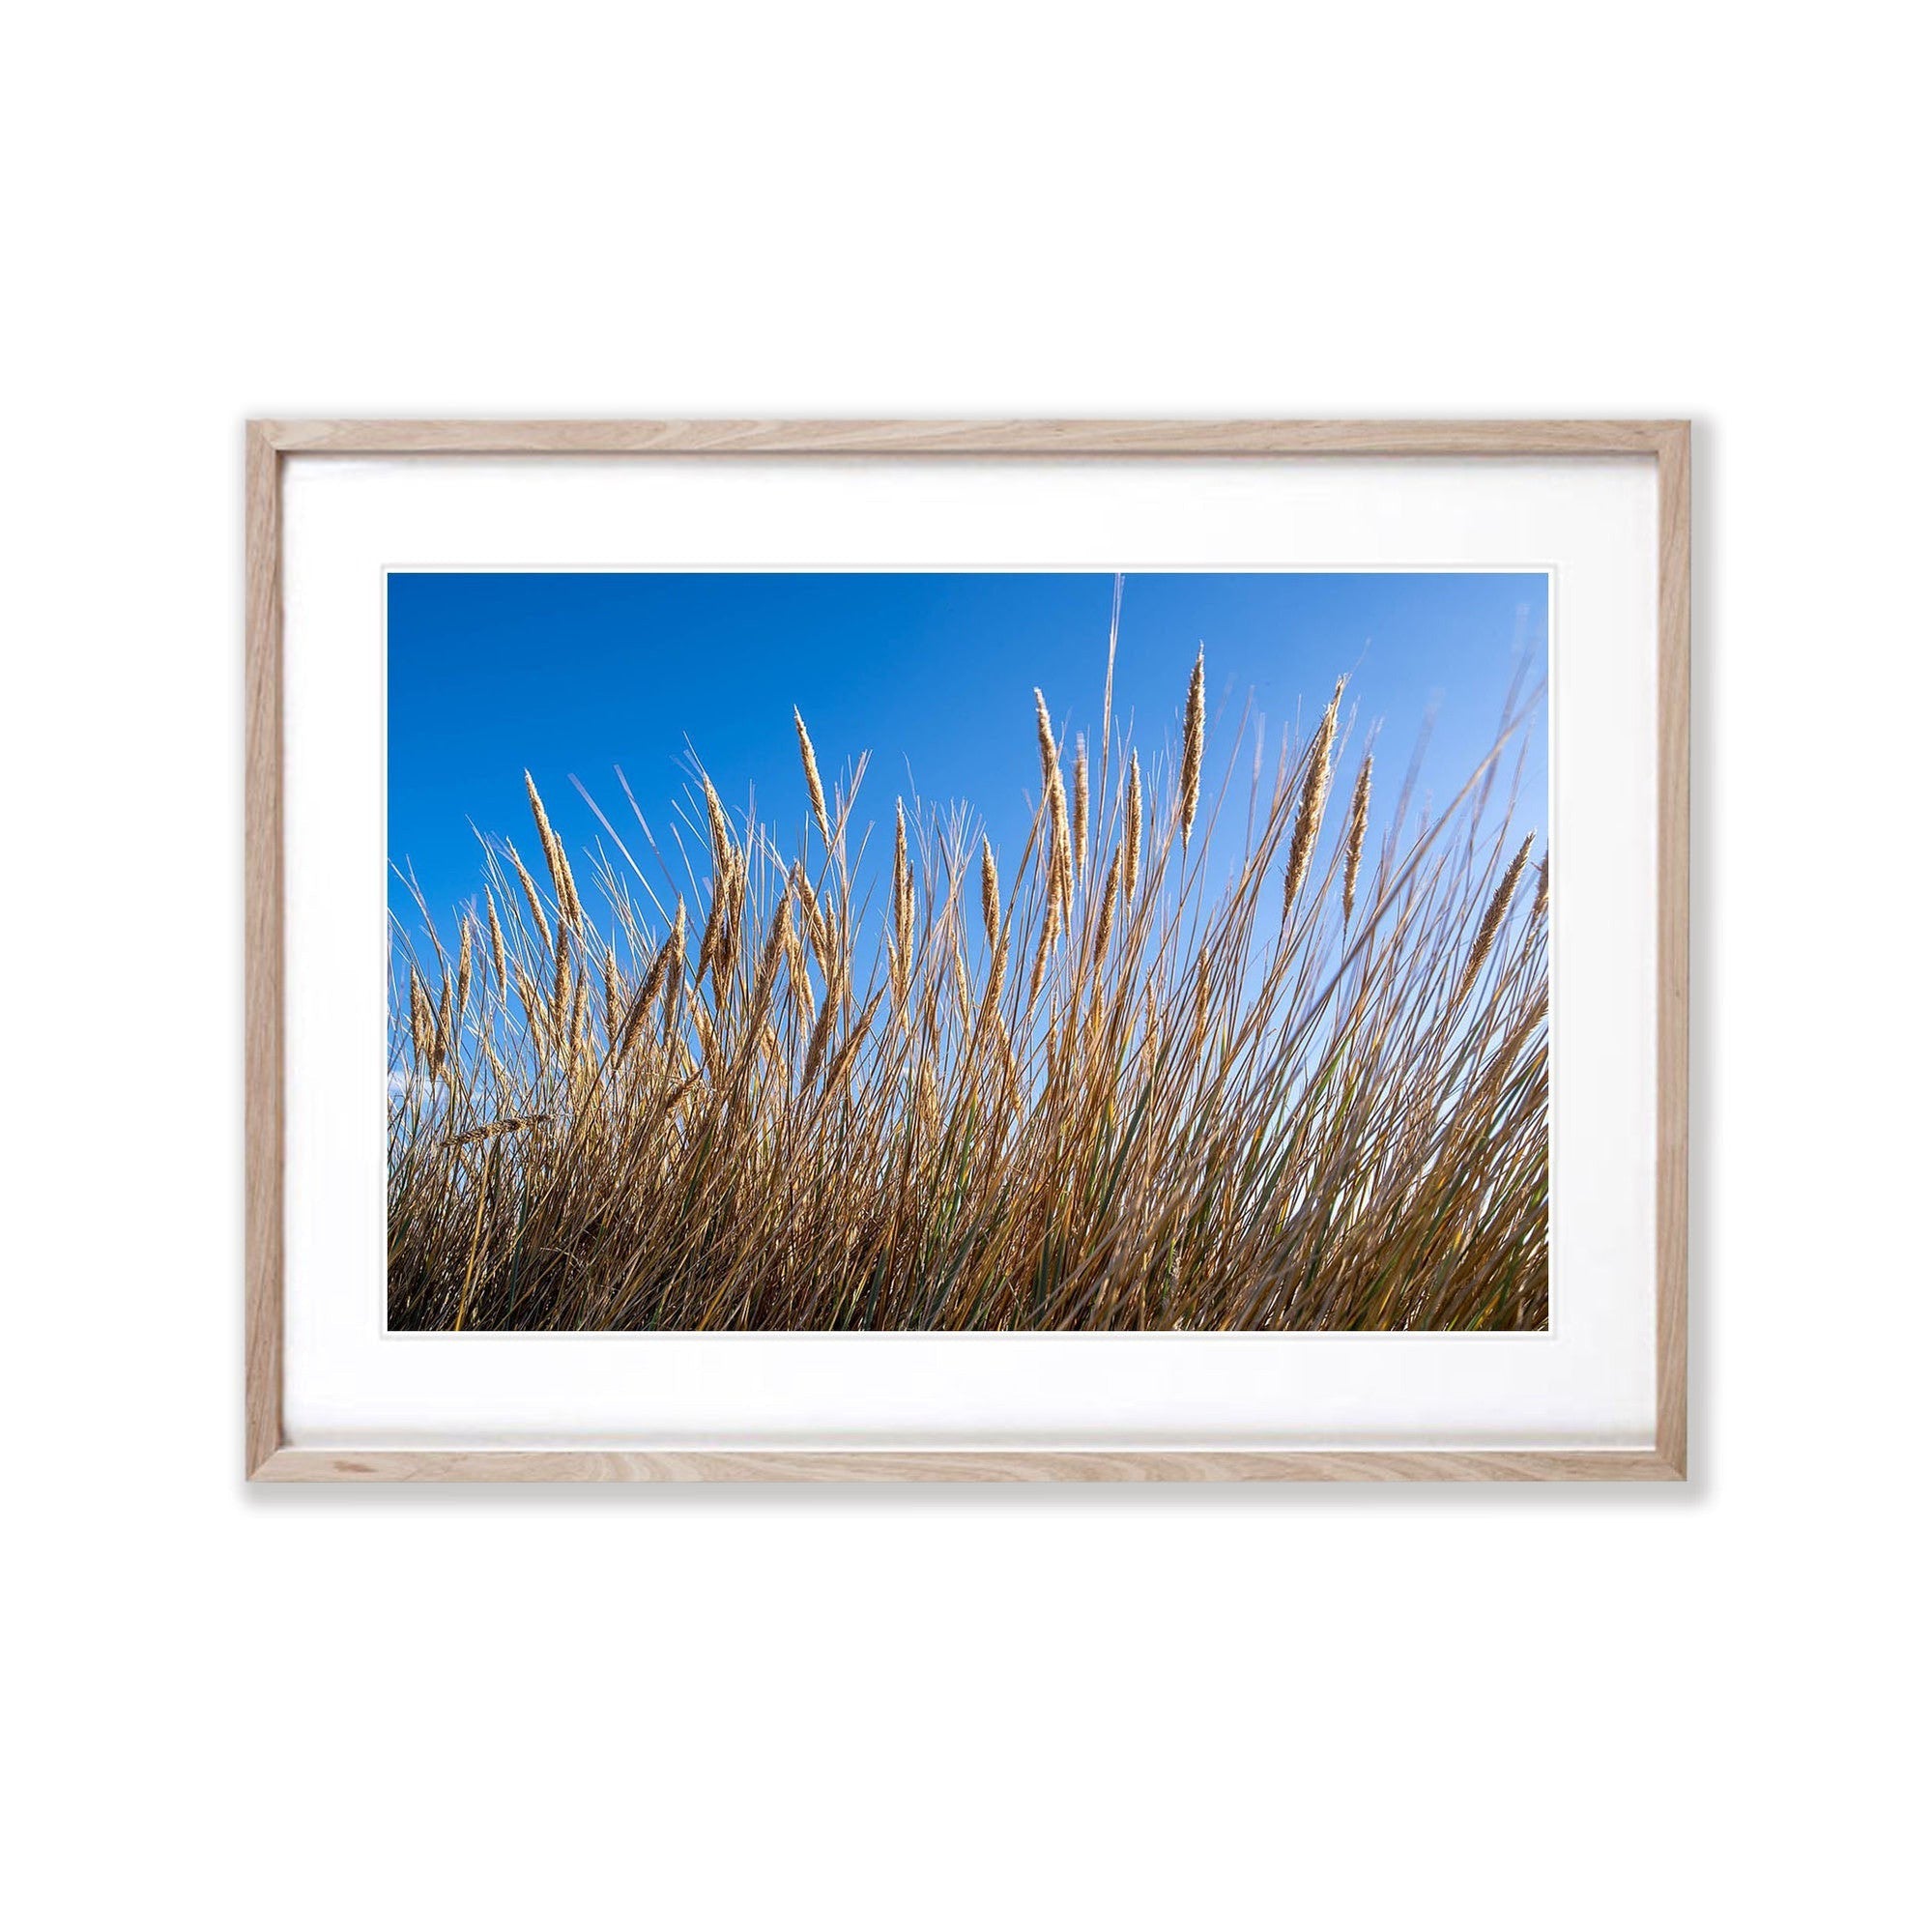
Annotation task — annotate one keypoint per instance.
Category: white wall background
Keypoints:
(1334, 1708)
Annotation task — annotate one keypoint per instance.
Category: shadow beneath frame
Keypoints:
(895, 1499)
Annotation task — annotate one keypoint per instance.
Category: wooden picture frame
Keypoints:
(269, 1458)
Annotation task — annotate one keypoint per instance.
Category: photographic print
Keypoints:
(985, 951)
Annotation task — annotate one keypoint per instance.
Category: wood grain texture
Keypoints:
(1673, 947)
(263, 993)
(942, 438)
(269, 1460)
(1018, 1465)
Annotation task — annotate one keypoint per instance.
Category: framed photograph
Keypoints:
(1016, 951)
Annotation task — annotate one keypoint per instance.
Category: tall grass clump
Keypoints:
(1139, 1075)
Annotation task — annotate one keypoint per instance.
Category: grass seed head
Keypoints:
(901, 954)
(1079, 807)
(653, 988)
(463, 971)
(989, 891)
(497, 956)
(560, 991)
(814, 791)
(1194, 744)
(568, 906)
(1109, 893)
(530, 894)
(724, 851)
(1493, 919)
(1313, 802)
(1358, 833)
(421, 1023)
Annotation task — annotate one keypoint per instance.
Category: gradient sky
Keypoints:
(578, 673)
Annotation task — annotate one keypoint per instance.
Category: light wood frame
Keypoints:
(269, 1458)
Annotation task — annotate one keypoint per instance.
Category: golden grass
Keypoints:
(1494, 916)
(1356, 837)
(1318, 769)
(1185, 1113)
(1194, 742)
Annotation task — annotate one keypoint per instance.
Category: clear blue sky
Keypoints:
(568, 673)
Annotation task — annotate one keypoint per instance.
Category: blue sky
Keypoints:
(578, 673)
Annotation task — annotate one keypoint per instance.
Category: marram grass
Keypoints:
(1143, 1083)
